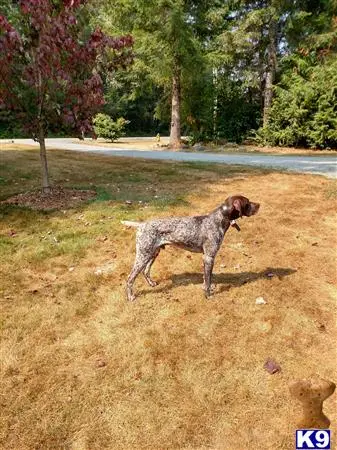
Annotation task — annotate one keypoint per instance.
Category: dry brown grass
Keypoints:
(83, 369)
(126, 143)
(151, 144)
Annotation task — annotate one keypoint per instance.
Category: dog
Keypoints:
(201, 234)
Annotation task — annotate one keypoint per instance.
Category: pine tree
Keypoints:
(166, 47)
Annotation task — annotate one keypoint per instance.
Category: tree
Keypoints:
(167, 50)
(49, 69)
(304, 112)
(216, 63)
(304, 108)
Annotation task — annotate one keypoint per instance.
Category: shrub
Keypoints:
(106, 128)
(304, 109)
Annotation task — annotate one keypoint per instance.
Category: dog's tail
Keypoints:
(129, 223)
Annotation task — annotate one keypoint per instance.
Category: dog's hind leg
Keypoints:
(146, 271)
(139, 265)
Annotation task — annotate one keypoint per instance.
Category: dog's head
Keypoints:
(238, 206)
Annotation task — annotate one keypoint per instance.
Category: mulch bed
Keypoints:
(57, 198)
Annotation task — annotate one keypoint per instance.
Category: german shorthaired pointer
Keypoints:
(201, 234)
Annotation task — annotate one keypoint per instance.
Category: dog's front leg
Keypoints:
(208, 268)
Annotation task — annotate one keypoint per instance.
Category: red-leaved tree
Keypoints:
(50, 69)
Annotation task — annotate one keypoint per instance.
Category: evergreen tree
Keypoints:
(167, 50)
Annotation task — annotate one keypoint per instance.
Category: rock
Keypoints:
(71, 269)
(272, 366)
(100, 363)
(270, 274)
(260, 301)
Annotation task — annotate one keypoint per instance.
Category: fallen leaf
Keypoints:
(272, 366)
(102, 238)
(321, 327)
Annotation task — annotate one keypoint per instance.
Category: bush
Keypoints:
(304, 109)
(106, 128)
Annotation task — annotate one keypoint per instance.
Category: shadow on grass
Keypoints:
(227, 280)
(115, 178)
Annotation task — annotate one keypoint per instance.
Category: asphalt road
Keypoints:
(321, 164)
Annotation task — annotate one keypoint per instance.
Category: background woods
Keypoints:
(212, 70)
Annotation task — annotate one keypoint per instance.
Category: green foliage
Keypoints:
(165, 31)
(222, 51)
(238, 112)
(304, 112)
(9, 127)
(106, 128)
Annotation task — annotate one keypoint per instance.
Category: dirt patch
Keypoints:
(57, 198)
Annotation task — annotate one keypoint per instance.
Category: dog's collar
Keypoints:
(235, 225)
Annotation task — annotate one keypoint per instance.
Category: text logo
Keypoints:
(312, 439)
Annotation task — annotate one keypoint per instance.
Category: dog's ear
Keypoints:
(238, 206)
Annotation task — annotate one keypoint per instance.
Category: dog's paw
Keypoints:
(131, 297)
(211, 288)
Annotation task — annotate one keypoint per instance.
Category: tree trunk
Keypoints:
(175, 133)
(43, 158)
(215, 104)
(271, 70)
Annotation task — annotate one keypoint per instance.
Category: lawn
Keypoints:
(83, 369)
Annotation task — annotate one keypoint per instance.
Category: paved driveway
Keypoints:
(320, 164)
